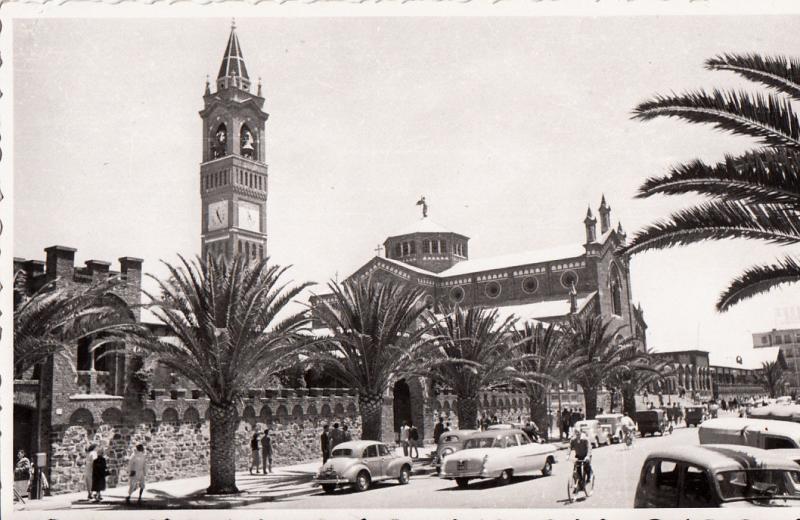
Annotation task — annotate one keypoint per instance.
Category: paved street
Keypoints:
(616, 466)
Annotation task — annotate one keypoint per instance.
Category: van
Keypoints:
(759, 433)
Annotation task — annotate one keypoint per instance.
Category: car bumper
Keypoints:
(469, 474)
(335, 481)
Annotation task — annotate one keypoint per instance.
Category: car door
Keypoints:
(697, 490)
(387, 458)
(528, 458)
(373, 461)
(658, 484)
(511, 452)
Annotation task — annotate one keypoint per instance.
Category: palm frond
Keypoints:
(759, 279)
(718, 220)
(777, 72)
(768, 118)
(769, 176)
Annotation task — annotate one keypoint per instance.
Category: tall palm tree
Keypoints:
(594, 339)
(772, 377)
(223, 331)
(476, 352)
(755, 195)
(639, 370)
(375, 336)
(546, 362)
(58, 315)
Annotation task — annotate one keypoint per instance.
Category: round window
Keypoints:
(529, 285)
(569, 278)
(457, 294)
(492, 290)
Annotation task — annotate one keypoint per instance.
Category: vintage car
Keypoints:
(778, 412)
(359, 464)
(594, 431)
(694, 415)
(760, 433)
(499, 454)
(449, 442)
(717, 476)
(652, 422)
(611, 424)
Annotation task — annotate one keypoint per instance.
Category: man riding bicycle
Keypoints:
(582, 447)
(627, 427)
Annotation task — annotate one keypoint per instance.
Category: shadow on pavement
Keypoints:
(492, 483)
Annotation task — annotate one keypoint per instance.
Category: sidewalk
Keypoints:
(189, 493)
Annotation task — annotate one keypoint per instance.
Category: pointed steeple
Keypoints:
(232, 71)
(605, 215)
(589, 222)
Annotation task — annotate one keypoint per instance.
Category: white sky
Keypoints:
(510, 127)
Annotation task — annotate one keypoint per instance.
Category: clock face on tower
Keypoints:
(250, 216)
(218, 215)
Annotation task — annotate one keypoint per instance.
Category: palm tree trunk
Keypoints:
(629, 401)
(224, 421)
(371, 408)
(467, 409)
(538, 396)
(590, 398)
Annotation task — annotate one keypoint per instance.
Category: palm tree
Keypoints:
(375, 336)
(772, 377)
(59, 314)
(475, 353)
(755, 195)
(598, 342)
(546, 361)
(639, 370)
(224, 331)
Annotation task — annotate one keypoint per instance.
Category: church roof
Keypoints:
(404, 265)
(233, 61)
(423, 225)
(544, 309)
(514, 260)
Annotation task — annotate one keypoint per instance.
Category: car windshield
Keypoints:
(342, 453)
(607, 420)
(450, 438)
(759, 484)
(485, 442)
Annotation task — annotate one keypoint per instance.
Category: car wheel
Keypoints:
(405, 475)
(548, 468)
(462, 482)
(363, 481)
(505, 477)
(329, 488)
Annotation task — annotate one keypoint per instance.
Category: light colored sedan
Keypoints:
(596, 433)
(359, 464)
(499, 454)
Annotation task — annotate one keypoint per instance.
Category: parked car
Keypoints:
(504, 426)
(778, 412)
(611, 424)
(449, 442)
(652, 422)
(717, 476)
(360, 463)
(694, 415)
(760, 433)
(499, 454)
(594, 431)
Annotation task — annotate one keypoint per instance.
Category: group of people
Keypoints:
(261, 452)
(566, 420)
(332, 437)
(96, 470)
(439, 428)
(409, 439)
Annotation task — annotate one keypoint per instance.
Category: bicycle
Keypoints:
(577, 481)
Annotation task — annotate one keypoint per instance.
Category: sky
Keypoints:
(510, 127)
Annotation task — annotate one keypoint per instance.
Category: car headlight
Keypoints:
(446, 452)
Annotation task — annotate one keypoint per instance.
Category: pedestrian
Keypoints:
(136, 473)
(495, 420)
(91, 454)
(266, 452)
(325, 443)
(99, 474)
(447, 427)
(337, 437)
(404, 431)
(413, 440)
(255, 455)
(346, 432)
(438, 430)
(24, 469)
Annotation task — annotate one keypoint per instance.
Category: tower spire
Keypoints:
(232, 71)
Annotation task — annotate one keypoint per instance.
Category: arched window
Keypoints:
(247, 142)
(616, 291)
(219, 141)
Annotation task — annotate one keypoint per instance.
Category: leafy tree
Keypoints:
(639, 370)
(772, 377)
(475, 352)
(59, 314)
(375, 336)
(598, 342)
(223, 331)
(546, 361)
(755, 195)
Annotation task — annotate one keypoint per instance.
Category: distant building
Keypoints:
(788, 341)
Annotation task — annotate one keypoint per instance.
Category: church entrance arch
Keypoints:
(402, 404)
(24, 430)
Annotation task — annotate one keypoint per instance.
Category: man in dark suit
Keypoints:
(325, 443)
(438, 430)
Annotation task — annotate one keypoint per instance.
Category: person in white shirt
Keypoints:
(136, 473)
(91, 454)
(404, 437)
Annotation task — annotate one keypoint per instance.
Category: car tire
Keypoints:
(547, 470)
(505, 477)
(328, 488)
(405, 475)
(462, 482)
(363, 481)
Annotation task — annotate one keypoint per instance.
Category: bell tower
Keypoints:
(233, 172)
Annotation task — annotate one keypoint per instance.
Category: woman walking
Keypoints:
(99, 474)
(255, 455)
(91, 454)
